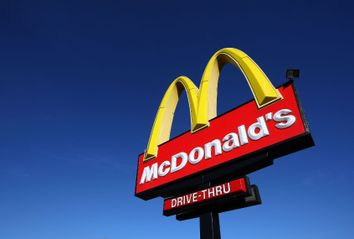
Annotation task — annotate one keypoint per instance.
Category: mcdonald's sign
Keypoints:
(227, 146)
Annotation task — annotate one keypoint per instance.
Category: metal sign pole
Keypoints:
(209, 226)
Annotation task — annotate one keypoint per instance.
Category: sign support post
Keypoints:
(209, 226)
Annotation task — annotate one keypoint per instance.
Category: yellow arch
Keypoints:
(203, 102)
(161, 129)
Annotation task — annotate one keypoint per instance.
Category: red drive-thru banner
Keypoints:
(179, 203)
(230, 138)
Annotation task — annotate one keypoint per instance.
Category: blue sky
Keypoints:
(80, 83)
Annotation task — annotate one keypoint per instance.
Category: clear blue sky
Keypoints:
(80, 83)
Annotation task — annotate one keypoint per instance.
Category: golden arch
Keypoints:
(203, 101)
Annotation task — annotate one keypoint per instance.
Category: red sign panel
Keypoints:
(230, 137)
(219, 191)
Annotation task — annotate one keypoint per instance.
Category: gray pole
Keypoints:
(209, 226)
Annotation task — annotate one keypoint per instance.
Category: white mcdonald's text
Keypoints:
(231, 141)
